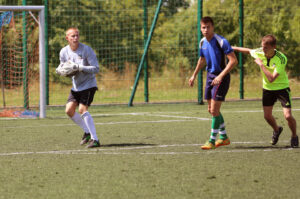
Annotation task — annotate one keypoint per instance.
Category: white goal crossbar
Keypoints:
(41, 10)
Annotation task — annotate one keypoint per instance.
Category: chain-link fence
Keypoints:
(115, 30)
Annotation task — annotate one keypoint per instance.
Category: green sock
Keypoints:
(215, 124)
(222, 131)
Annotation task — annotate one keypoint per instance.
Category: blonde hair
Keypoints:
(71, 28)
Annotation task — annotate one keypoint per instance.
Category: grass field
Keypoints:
(149, 151)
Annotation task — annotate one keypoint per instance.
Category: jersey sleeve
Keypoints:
(201, 53)
(257, 53)
(92, 65)
(92, 58)
(253, 54)
(62, 57)
(280, 68)
(201, 43)
(226, 47)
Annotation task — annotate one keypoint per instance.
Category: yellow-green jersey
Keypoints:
(277, 63)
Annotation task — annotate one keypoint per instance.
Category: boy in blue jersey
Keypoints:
(84, 85)
(213, 50)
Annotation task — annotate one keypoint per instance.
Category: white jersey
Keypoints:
(84, 55)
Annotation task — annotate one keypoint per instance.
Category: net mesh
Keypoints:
(19, 52)
(116, 32)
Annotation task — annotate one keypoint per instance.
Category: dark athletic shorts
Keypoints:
(84, 97)
(271, 96)
(217, 92)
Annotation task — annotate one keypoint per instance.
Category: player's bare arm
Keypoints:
(200, 65)
(241, 49)
(232, 61)
(271, 77)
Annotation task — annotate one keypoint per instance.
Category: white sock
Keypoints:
(89, 122)
(78, 120)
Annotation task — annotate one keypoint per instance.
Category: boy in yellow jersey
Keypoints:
(275, 85)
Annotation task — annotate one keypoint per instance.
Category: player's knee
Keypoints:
(268, 117)
(70, 112)
(209, 110)
(289, 117)
(82, 109)
(214, 113)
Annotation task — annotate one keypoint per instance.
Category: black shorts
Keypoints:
(271, 96)
(84, 97)
(216, 92)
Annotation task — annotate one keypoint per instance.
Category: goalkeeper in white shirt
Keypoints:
(85, 66)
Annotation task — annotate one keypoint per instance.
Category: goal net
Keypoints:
(22, 66)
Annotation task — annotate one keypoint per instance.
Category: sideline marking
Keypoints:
(102, 123)
(118, 151)
(183, 117)
(150, 114)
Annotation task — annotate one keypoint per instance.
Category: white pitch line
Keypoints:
(255, 111)
(135, 113)
(98, 150)
(142, 122)
(215, 151)
(183, 117)
(102, 123)
(117, 151)
(154, 114)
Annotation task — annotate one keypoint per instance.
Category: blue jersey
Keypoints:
(214, 52)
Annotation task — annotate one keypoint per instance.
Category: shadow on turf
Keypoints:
(126, 145)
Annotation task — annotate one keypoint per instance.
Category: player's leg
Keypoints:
(272, 122)
(291, 120)
(86, 98)
(215, 124)
(209, 106)
(75, 117)
(214, 109)
(88, 119)
(268, 100)
(285, 99)
(223, 139)
(215, 95)
(222, 129)
(71, 108)
(268, 115)
(207, 95)
(218, 127)
(219, 95)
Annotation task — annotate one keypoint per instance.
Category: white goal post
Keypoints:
(41, 10)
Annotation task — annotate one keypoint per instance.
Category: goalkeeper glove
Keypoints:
(77, 67)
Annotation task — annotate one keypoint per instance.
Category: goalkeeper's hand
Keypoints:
(68, 69)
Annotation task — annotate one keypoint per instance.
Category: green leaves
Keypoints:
(114, 29)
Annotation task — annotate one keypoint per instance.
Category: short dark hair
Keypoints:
(269, 40)
(207, 19)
